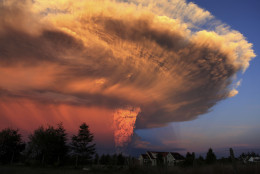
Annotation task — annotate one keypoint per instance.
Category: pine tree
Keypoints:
(211, 157)
(82, 144)
(61, 142)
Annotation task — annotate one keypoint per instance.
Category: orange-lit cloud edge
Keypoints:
(91, 60)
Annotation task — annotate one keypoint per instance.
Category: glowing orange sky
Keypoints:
(28, 115)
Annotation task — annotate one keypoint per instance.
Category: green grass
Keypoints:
(213, 169)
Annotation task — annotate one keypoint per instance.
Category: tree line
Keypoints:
(47, 146)
(191, 160)
(210, 158)
(51, 146)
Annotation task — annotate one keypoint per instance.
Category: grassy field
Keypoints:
(213, 169)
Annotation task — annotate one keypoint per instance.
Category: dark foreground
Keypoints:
(212, 169)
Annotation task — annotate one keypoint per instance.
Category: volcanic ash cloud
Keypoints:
(124, 122)
(154, 57)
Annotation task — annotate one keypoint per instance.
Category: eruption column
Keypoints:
(124, 121)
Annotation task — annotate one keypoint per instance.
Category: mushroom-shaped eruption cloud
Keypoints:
(150, 63)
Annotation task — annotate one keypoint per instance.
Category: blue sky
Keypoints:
(233, 122)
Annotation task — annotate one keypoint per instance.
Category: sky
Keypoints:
(145, 75)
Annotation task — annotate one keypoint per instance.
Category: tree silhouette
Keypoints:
(200, 160)
(189, 160)
(103, 159)
(211, 157)
(120, 159)
(233, 159)
(61, 142)
(82, 144)
(48, 144)
(96, 160)
(10, 145)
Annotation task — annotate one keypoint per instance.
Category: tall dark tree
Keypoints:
(10, 145)
(102, 159)
(113, 159)
(199, 160)
(211, 157)
(82, 145)
(48, 144)
(62, 142)
(233, 159)
(120, 159)
(190, 158)
(96, 159)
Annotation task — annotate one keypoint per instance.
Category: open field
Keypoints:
(213, 169)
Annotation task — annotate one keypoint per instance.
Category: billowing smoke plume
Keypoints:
(124, 122)
(154, 57)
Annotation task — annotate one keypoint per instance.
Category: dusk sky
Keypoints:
(144, 75)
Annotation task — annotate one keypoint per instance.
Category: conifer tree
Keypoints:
(211, 157)
(82, 144)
